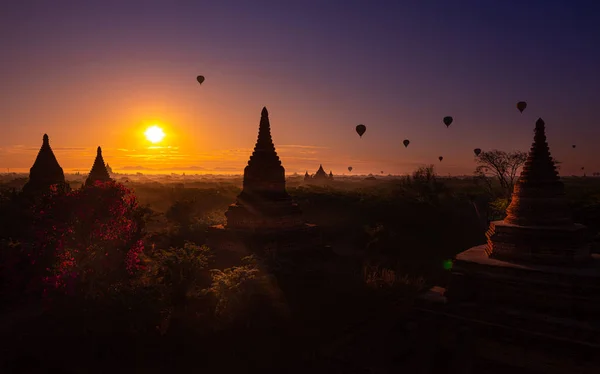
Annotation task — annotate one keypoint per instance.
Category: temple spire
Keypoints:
(264, 172)
(264, 204)
(539, 197)
(45, 171)
(98, 172)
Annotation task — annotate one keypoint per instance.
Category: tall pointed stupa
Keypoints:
(99, 171)
(45, 170)
(539, 225)
(539, 196)
(264, 202)
(535, 278)
(264, 212)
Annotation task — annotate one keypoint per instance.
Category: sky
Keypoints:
(92, 73)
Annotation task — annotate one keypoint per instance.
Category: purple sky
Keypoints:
(91, 73)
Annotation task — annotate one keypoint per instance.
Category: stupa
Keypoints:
(534, 280)
(45, 170)
(264, 212)
(99, 171)
(320, 177)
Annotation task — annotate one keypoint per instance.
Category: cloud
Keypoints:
(138, 167)
(301, 146)
(193, 167)
(225, 168)
(163, 168)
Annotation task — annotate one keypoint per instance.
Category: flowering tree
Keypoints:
(90, 238)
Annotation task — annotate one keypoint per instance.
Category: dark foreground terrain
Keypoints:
(84, 306)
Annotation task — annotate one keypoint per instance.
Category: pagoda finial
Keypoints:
(99, 151)
(539, 124)
(264, 112)
(45, 140)
(538, 197)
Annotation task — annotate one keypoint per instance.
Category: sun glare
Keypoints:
(154, 134)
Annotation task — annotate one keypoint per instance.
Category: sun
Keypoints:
(154, 134)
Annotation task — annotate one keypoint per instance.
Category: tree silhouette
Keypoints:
(501, 166)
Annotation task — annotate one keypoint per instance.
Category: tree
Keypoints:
(502, 166)
(94, 236)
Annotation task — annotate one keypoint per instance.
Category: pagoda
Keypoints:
(99, 171)
(45, 171)
(264, 212)
(321, 177)
(306, 176)
(535, 280)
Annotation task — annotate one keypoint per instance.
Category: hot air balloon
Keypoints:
(441, 158)
(406, 142)
(382, 172)
(448, 121)
(573, 145)
(360, 129)
(350, 169)
(477, 151)
(521, 105)
(200, 79)
(582, 168)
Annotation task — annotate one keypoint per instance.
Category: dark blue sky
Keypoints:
(321, 67)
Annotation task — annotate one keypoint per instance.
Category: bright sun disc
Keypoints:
(154, 134)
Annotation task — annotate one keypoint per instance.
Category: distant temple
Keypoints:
(45, 171)
(535, 280)
(99, 171)
(264, 212)
(110, 170)
(320, 177)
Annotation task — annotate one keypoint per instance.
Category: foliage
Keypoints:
(498, 209)
(500, 166)
(240, 291)
(179, 273)
(383, 278)
(93, 236)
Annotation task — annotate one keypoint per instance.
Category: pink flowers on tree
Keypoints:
(93, 236)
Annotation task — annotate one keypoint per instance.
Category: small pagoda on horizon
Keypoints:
(320, 177)
(45, 171)
(99, 171)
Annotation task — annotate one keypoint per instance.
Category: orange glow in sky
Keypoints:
(105, 74)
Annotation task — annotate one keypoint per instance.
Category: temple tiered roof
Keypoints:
(538, 227)
(264, 203)
(99, 171)
(264, 174)
(539, 197)
(45, 170)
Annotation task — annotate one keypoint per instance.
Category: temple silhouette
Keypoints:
(44, 172)
(264, 213)
(533, 287)
(320, 177)
(99, 172)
